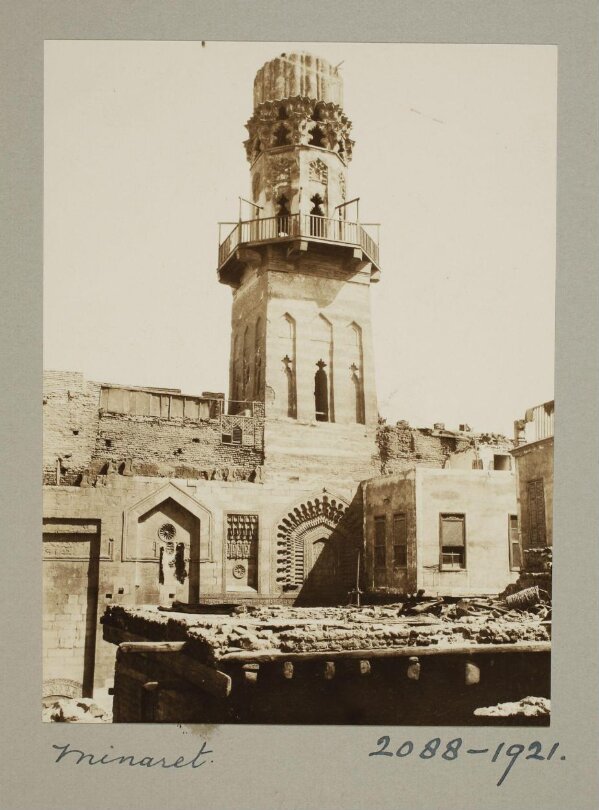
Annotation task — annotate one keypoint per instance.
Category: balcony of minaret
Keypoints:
(298, 233)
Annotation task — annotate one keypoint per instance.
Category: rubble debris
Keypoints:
(74, 710)
(525, 598)
(282, 629)
(527, 707)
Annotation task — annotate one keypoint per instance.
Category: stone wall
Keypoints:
(102, 547)
(401, 447)
(485, 499)
(534, 463)
(83, 441)
(71, 420)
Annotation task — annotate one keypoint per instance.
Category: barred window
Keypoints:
(536, 514)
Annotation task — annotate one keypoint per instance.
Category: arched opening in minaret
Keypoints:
(283, 213)
(282, 114)
(317, 221)
(317, 115)
(321, 393)
(281, 136)
(317, 137)
(340, 148)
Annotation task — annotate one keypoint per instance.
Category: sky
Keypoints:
(455, 156)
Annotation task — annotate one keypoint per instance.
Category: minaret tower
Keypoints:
(299, 261)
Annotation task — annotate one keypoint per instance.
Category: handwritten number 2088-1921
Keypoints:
(452, 748)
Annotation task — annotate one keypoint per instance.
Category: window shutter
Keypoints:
(400, 540)
(536, 513)
(514, 541)
(452, 531)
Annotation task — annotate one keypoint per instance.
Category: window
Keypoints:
(514, 543)
(317, 137)
(321, 393)
(236, 435)
(400, 541)
(453, 542)
(502, 462)
(380, 542)
(536, 514)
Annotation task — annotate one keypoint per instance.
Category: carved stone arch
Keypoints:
(316, 517)
(132, 515)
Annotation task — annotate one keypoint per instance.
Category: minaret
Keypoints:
(299, 261)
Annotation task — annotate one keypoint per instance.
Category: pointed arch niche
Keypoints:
(356, 373)
(169, 517)
(286, 335)
(315, 552)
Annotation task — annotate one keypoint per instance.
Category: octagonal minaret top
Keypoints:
(298, 74)
(299, 148)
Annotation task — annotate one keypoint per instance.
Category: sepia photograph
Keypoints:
(298, 401)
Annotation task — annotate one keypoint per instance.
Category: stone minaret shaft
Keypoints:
(299, 261)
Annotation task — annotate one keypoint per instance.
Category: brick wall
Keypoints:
(402, 447)
(180, 449)
(82, 441)
(71, 419)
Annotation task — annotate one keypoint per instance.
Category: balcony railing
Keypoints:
(538, 424)
(290, 226)
(542, 418)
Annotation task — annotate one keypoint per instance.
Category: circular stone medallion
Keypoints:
(167, 532)
(238, 571)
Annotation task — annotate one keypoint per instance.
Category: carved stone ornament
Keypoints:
(319, 171)
(238, 571)
(167, 532)
(279, 172)
(242, 536)
(279, 176)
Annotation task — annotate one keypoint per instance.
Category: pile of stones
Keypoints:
(282, 629)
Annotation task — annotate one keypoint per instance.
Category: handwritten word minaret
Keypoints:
(300, 262)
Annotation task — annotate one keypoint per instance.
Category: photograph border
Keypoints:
(301, 767)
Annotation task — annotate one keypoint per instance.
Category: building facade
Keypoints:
(152, 495)
(448, 532)
(533, 455)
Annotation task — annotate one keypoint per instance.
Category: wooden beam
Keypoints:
(171, 654)
(471, 674)
(152, 646)
(211, 680)
(413, 671)
(329, 670)
(388, 652)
